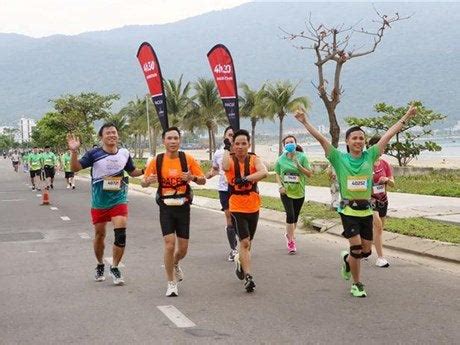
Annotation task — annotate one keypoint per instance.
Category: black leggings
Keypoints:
(292, 208)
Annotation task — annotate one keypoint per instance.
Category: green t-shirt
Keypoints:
(354, 176)
(49, 158)
(65, 161)
(35, 161)
(292, 178)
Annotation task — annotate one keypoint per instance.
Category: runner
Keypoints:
(49, 166)
(354, 173)
(15, 160)
(173, 171)
(35, 162)
(65, 166)
(291, 168)
(109, 193)
(224, 194)
(383, 177)
(243, 170)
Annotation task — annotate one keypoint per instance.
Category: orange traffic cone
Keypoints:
(46, 197)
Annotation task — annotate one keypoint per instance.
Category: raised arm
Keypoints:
(303, 119)
(261, 171)
(396, 128)
(74, 143)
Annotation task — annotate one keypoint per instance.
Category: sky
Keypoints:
(39, 18)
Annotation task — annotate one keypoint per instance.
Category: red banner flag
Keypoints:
(152, 72)
(222, 68)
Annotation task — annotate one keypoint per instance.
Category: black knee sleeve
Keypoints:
(355, 251)
(120, 237)
(365, 255)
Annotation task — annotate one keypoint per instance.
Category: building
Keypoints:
(25, 130)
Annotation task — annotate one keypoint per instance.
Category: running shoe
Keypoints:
(345, 267)
(73, 186)
(357, 290)
(99, 276)
(68, 186)
(382, 262)
(239, 270)
(33, 188)
(172, 290)
(249, 284)
(179, 273)
(231, 255)
(292, 247)
(52, 187)
(116, 276)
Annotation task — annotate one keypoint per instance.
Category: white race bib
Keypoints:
(378, 189)
(357, 183)
(112, 183)
(174, 201)
(291, 178)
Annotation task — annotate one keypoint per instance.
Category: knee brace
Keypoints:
(355, 251)
(120, 237)
(365, 255)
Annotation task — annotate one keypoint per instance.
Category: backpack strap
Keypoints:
(159, 164)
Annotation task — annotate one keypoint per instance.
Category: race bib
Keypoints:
(291, 178)
(112, 183)
(357, 183)
(378, 189)
(174, 201)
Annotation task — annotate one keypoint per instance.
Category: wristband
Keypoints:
(143, 171)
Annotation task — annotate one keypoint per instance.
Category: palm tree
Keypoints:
(279, 101)
(253, 107)
(178, 101)
(207, 111)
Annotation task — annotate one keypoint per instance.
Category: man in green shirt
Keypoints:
(34, 159)
(49, 164)
(65, 166)
(354, 171)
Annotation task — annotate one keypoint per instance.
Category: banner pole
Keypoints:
(148, 124)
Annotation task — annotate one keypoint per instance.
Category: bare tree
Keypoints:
(332, 45)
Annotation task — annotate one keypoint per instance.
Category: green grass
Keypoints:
(418, 227)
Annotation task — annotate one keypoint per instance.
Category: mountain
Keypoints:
(418, 57)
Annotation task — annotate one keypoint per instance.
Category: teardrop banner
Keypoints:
(152, 72)
(222, 68)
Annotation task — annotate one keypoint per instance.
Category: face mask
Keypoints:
(290, 147)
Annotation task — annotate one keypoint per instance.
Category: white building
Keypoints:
(25, 129)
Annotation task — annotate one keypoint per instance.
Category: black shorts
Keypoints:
(175, 219)
(380, 207)
(245, 224)
(49, 171)
(353, 226)
(69, 174)
(34, 173)
(224, 197)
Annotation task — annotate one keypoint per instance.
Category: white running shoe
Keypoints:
(179, 273)
(172, 290)
(68, 186)
(116, 276)
(381, 262)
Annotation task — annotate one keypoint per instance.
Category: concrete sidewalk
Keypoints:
(414, 245)
(401, 205)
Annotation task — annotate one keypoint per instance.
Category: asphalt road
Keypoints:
(48, 296)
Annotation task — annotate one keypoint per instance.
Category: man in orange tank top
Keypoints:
(243, 170)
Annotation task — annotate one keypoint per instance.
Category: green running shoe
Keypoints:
(357, 290)
(345, 268)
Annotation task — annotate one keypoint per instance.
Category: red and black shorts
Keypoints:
(104, 215)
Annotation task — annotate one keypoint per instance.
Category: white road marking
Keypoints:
(53, 208)
(12, 200)
(174, 314)
(65, 218)
(84, 235)
(109, 260)
(32, 251)
(39, 195)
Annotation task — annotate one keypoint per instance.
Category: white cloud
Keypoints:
(39, 18)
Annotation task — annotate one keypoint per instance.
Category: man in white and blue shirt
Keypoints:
(109, 193)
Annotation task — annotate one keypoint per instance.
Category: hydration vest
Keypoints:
(252, 186)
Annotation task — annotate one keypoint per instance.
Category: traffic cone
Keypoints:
(46, 197)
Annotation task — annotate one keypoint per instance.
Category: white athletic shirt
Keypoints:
(217, 162)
